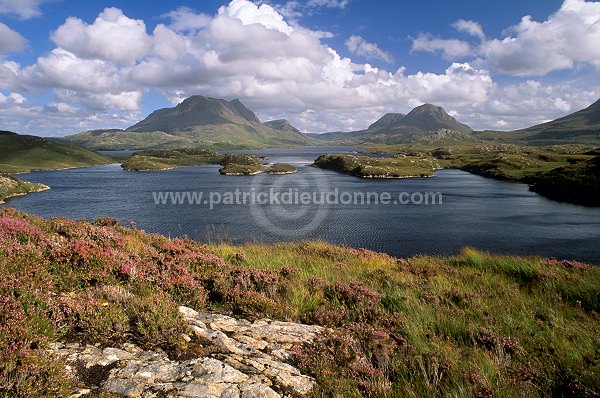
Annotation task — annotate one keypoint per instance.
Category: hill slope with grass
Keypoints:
(22, 153)
(582, 127)
(470, 325)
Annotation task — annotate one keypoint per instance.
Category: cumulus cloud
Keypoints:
(247, 51)
(450, 48)
(185, 19)
(570, 36)
(10, 40)
(24, 9)
(531, 48)
(359, 46)
(471, 27)
(112, 37)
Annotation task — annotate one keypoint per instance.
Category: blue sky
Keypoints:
(326, 65)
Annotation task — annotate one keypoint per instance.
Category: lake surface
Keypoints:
(487, 214)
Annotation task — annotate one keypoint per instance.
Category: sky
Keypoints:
(69, 66)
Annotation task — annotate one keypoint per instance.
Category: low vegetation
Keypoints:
(23, 153)
(11, 186)
(400, 166)
(471, 325)
(281, 168)
(562, 172)
(162, 159)
(580, 181)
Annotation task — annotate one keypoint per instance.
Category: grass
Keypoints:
(120, 139)
(162, 159)
(11, 186)
(367, 167)
(562, 172)
(471, 325)
(23, 153)
(281, 168)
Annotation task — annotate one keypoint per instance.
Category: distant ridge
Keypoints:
(581, 127)
(398, 128)
(282, 125)
(197, 121)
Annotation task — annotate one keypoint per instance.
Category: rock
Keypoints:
(248, 359)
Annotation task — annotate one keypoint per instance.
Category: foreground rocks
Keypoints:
(246, 359)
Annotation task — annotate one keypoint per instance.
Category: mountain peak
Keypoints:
(429, 117)
(386, 121)
(196, 111)
(282, 125)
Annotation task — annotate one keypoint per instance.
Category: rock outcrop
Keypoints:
(247, 359)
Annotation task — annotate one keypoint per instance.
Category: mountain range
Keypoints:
(220, 124)
(395, 128)
(197, 121)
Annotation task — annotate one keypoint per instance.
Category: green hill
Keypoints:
(22, 153)
(582, 127)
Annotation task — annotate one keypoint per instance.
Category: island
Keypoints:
(164, 159)
(369, 167)
(232, 163)
(561, 172)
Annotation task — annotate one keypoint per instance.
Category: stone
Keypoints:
(246, 360)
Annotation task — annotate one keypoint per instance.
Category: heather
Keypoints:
(471, 325)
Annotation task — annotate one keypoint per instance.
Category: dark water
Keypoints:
(487, 214)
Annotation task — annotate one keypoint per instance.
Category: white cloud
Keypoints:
(251, 52)
(112, 37)
(185, 19)
(566, 38)
(359, 46)
(563, 41)
(471, 27)
(10, 40)
(450, 48)
(24, 9)
(328, 3)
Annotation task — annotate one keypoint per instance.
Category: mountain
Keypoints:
(197, 111)
(426, 118)
(282, 125)
(387, 120)
(581, 127)
(394, 128)
(21, 153)
(212, 120)
(196, 122)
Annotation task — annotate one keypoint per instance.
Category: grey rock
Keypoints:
(248, 359)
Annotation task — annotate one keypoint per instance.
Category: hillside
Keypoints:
(214, 120)
(282, 125)
(396, 128)
(105, 300)
(582, 127)
(21, 153)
